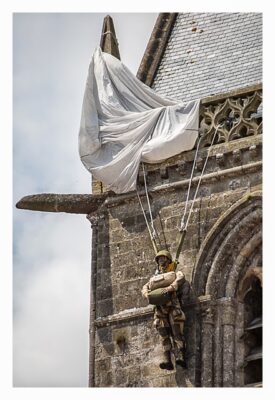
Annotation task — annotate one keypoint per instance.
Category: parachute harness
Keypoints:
(183, 224)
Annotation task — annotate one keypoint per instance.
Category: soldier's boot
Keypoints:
(180, 358)
(167, 362)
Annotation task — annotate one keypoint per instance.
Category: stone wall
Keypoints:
(125, 349)
(126, 343)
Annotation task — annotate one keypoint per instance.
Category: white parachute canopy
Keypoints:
(125, 122)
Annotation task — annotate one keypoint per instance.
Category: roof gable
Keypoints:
(210, 53)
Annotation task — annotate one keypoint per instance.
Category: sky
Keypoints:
(47, 48)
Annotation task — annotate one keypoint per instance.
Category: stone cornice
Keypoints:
(213, 176)
(125, 315)
(233, 93)
(143, 312)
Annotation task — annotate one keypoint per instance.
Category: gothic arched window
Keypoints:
(252, 299)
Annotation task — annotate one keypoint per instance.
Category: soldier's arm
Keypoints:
(180, 278)
(178, 281)
(145, 290)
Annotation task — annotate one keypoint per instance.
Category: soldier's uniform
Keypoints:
(169, 320)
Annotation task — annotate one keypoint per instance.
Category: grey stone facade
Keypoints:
(222, 252)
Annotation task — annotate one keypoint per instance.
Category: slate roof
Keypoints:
(210, 53)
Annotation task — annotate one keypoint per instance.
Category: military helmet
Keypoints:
(163, 253)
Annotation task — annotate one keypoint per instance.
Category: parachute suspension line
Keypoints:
(189, 186)
(153, 240)
(183, 226)
(150, 227)
(202, 173)
(154, 234)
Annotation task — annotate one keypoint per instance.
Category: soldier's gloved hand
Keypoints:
(145, 295)
(168, 289)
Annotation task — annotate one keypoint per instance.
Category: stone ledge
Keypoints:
(232, 93)
(225, 148)
(134, 313)
(217, 175)
(124, 315)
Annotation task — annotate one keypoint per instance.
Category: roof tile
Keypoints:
(226, 55)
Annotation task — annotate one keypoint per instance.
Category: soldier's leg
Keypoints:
(179, 344)
(162, 325)
(164, 333)
(178, 337)
(177, 326)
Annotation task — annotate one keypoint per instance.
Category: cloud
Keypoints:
(51, 301)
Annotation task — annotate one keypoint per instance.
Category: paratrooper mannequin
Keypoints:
(168, 316)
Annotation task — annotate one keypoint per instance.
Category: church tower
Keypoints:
(215, 57)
